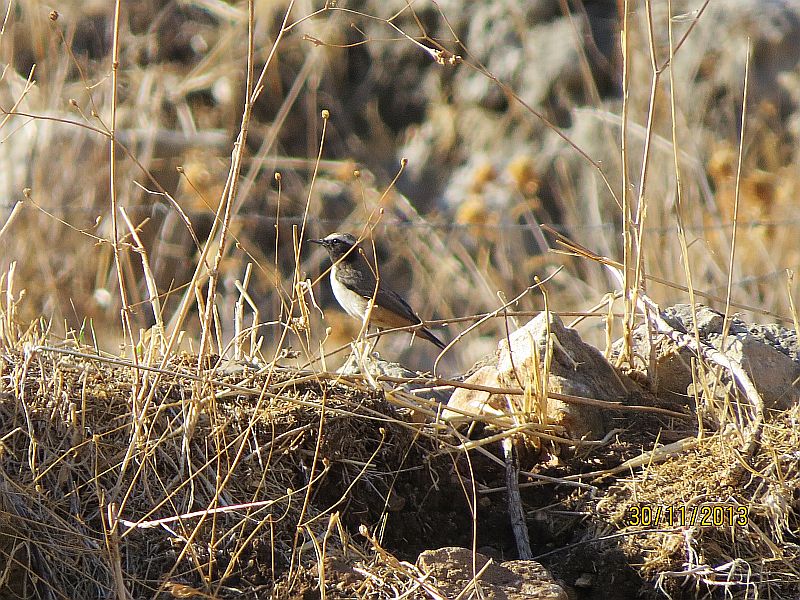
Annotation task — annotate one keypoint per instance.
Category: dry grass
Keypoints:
(716, 553)
(173, 110)
(97, 498)
(126, 445)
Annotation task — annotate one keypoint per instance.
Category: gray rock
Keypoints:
(768, 354)
(375, 366)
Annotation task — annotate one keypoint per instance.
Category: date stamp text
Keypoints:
(698, 515)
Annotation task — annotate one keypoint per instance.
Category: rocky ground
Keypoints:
(363, 483)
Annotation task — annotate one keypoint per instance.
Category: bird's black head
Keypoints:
(339, 245)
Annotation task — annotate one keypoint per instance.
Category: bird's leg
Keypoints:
(365, 347)
(377, 339)
(362, 352)
(362, 346)
(368, 345)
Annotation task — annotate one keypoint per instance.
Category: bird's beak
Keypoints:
(320, 242)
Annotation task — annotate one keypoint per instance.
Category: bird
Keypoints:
(354, 284)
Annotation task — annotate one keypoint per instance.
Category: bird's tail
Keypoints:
(426, 334)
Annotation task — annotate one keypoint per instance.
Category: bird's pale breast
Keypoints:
(354, 304)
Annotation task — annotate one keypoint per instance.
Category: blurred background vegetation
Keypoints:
(526, 128)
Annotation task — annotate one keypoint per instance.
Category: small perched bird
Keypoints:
(354, 284)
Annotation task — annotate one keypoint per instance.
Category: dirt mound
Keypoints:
(237, 481)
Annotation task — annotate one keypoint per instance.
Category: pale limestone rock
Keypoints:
(575, 369)
(452, 569)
